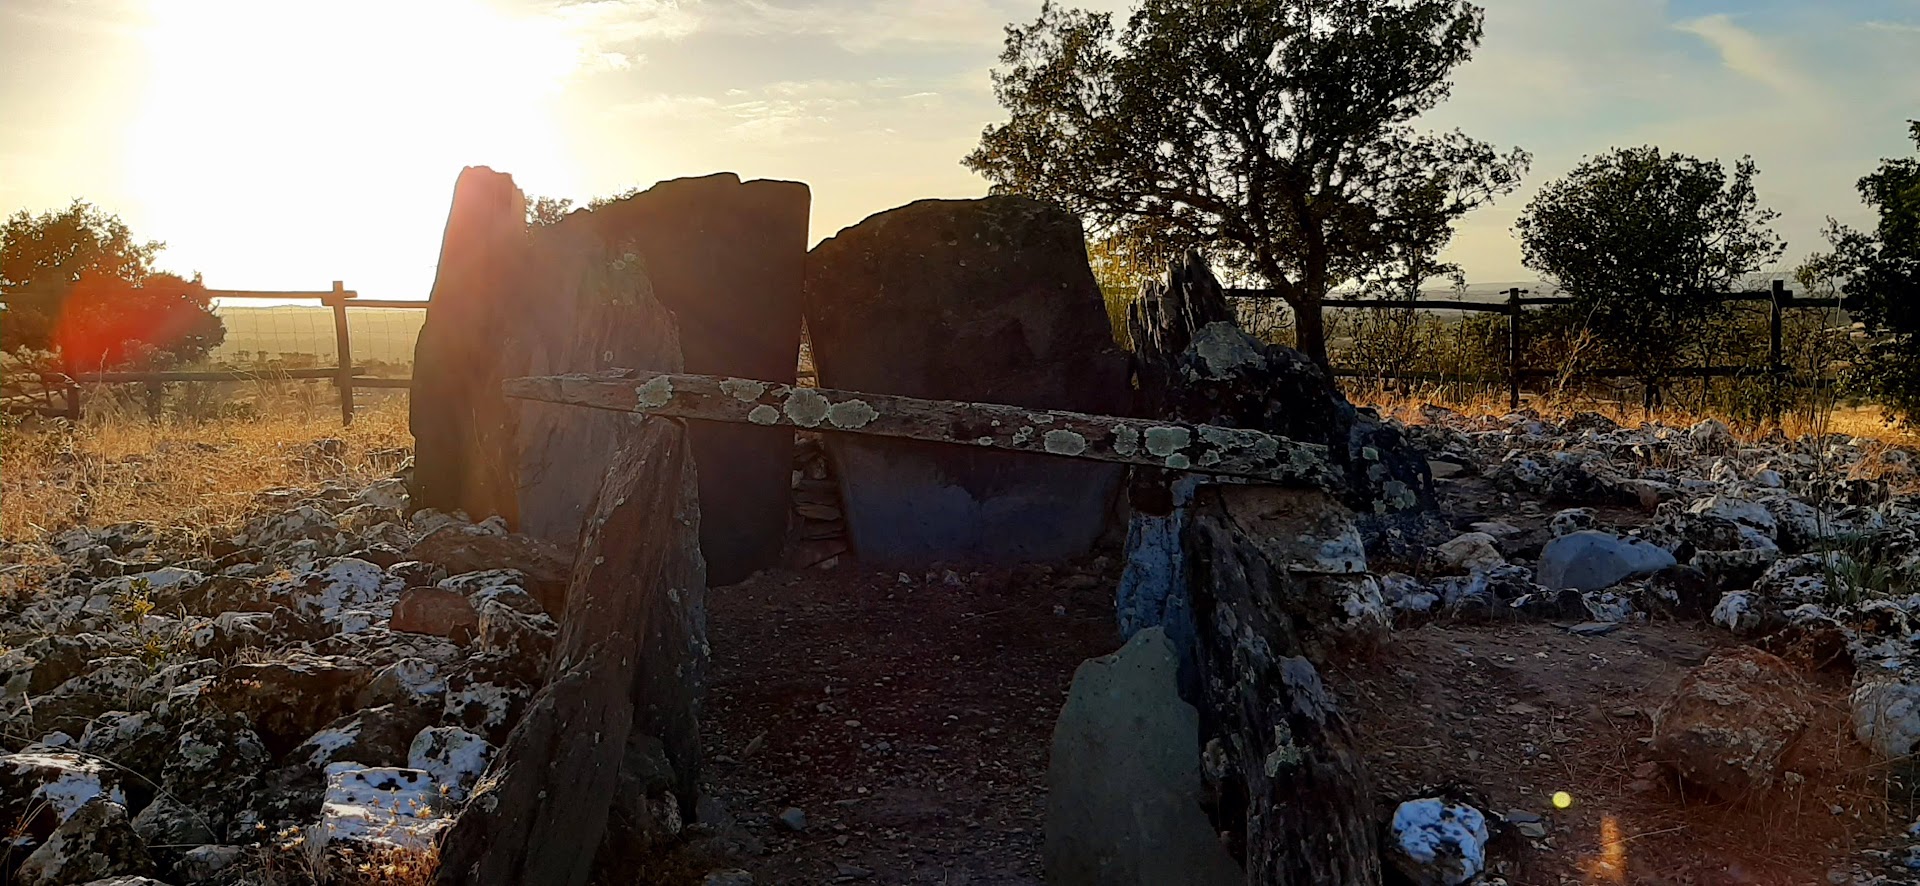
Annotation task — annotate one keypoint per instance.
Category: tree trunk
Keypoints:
(1310, 328)
(1245, 580)
(625, 679)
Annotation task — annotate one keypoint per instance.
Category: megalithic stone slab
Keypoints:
(987, 300)
(1123, 778)
(711, 267)
(591, 305)
(727, 258)
(626, 673)
(462, 427)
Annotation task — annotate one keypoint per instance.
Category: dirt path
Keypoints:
(909, 717)
(909, 720)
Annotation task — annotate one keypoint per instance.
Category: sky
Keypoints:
(281, 145)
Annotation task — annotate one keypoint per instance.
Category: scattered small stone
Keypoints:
(793, 819)
(1436, 843)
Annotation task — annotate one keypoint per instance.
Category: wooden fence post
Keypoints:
(73, 402)
(1513, 347)
(1774, 355)
(343, 379)
(1776, 364)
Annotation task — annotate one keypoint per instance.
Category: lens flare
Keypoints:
(1562, 799)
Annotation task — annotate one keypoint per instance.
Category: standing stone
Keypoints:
(987, 300)
(709, 267)
(625, 677)
(462, 427)
(1123, 782)
(596, 311)
(728, 258)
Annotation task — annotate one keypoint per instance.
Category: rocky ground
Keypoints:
(1705, 642)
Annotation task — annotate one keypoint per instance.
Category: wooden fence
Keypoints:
(345, 375)
(1778, 299)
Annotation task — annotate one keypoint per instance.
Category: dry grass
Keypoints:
(194, 475)
(1856, 421)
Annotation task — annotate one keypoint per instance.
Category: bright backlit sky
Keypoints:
(281, 145)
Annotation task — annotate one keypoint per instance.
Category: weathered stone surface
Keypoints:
(439, 612)
(462, 428)
(373, 807)
(136, 741)
(1886, 713)
(378, 736)
(1469, 551)
(1592, 560)
(595, 292)
(1436, 843)
(630, 663)
(1128, 812)
(205, 863)
(291, 698)
(1192, 362)
(983, 300)
(504, 631)
(208, 776)
(40, 789)
(461, 550)
(94, 843)
(727, 258)
(1289, 789)
(1729, 723)
(452, 757)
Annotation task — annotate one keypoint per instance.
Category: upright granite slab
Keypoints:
(462, 427)
(1123, 778)
(987, 300)
(709, 268)
(727, 258)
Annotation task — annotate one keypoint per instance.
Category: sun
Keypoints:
(276, 138)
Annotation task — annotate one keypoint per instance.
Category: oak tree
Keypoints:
(1278, 134)
(76, 281)
(1642, 240)
(1882, 273)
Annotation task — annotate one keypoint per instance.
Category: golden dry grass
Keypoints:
(1856, 421)
(194, 475)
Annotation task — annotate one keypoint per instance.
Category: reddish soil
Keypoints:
(910, 721)
(1516, 712)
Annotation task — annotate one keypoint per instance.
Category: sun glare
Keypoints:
(279, 136)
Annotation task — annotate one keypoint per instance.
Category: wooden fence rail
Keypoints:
(346, 376)
(1778, 299)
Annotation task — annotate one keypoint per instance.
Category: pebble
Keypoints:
(793, 819)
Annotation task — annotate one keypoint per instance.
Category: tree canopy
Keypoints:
(78, 282)
(1882, 273)
(1277, 133)
(1640, 238)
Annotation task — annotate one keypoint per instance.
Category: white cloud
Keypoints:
(795, 112)
(1747, 54)
(867, 26)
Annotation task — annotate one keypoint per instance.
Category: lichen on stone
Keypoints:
(806, 406)
(851, 414)
(1064, 442)
(655, 393)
